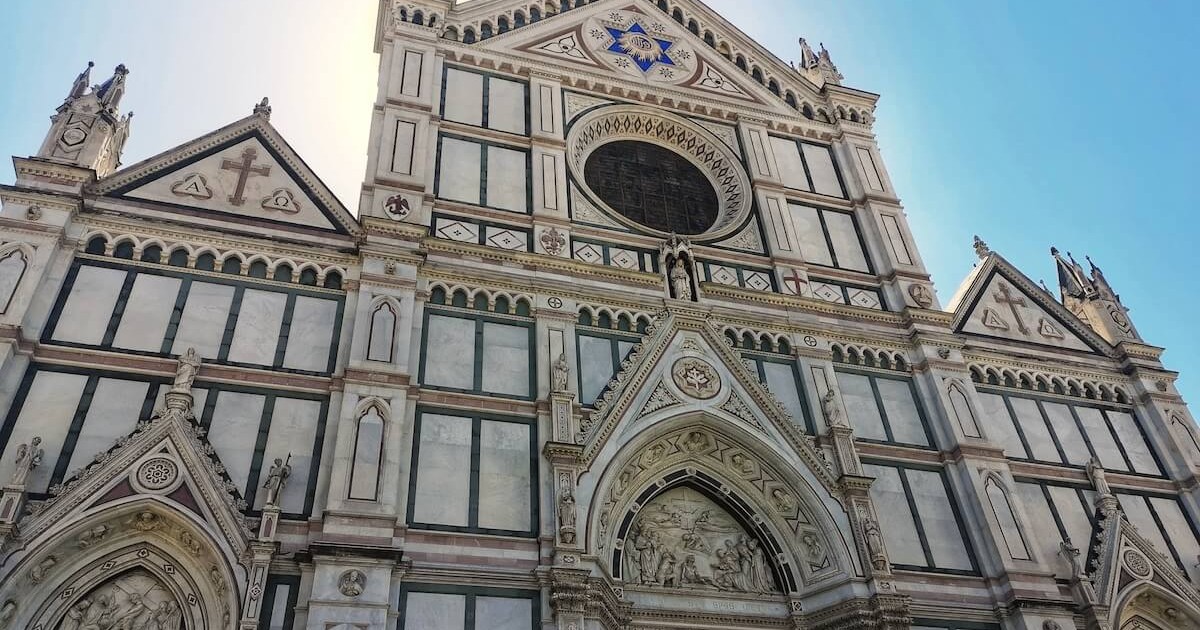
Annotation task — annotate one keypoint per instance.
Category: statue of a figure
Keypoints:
(1072, 553)
(1096, 472)
(681, 281)
(875, 544)
(830, 409)
(561, 374)
(277, 478)
(185, 372)
(566, 516)
(29, 456)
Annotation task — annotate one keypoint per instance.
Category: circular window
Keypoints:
(656, 172)
(653, 186)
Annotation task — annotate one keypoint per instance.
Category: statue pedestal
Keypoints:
(12, 499)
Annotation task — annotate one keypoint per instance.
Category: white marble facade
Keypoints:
(533, 382)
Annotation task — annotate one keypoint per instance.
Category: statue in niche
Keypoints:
(874, 543)
(681, 539)
(831, 410)
(561, 375)
(185, 371)
(681, 281)
(29, 456)
(566, 516)
(277, 479)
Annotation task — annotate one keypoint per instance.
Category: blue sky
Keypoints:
(1069, 123)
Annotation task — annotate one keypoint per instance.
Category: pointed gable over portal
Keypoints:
(245, 172)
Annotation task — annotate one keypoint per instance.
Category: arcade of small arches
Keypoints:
(1048, 383)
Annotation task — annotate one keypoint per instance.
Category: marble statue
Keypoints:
(875, 543)
(29, 456)
(566, 516)
(277, 479)
(185, 371)
(830, 409)
(681, 281)
(352, 583)
(561, 375)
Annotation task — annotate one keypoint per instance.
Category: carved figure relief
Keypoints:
(352, 583)
(920, 295)
(696, 378)
(133, 601)
(29, 456)
(681, 539)
(397, 208)
(92, 536)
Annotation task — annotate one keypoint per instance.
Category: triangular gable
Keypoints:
(686, 363)
(245, 171)
(1000, 302)
(641, 44)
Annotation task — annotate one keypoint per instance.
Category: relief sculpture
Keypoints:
(133, 601)
(682, 539)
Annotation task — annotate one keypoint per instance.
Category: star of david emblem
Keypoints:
(644, 49)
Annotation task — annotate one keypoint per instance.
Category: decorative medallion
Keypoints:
(352, 583)
(192, 185)
(397, 208)
(553, 242)
(644, 49)
(282, 200)
(696, 378)
(1137, 564)
(157, 473)
(920, 295)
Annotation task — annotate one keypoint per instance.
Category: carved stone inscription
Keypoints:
(682, 539)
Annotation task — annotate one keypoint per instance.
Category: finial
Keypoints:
(1044, 287)
(81, 82)
(1053, 250)
(121, 69)
(263, 108)
(981, 248)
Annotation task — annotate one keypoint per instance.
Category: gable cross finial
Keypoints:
(263, 108)
(981, 248)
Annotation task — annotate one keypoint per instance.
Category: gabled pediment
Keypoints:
(685, 365)
(244, 172)
(639, 43)
(1000, 302)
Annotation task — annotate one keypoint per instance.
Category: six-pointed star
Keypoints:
(638, 45)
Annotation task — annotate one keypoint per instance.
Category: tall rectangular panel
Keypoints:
(114, 412)
(811, 235)
(859, 399)
(144, 323)
(410, 84)
(236, 420)
(1045, 539)
(507, 179)
(435, 611)
(937, 517)
(505, 484)
(1073, 514)
(47, 412)
(464, 97)
(460, 170)
(1068, 433)
(1135, 445)
(999, 425)
(549, 182)
(791, 167)
(1102, 439)
(402, 147)
(781, 380)
(311, 336)
(595, 367)
(89, 306)
(1037, 434)
(442, 495)
(901, 411)
(895, 235)
(256, 335)
(1138, 511)
(891, 503)
(293, 432)
(867, 161)
(506, 359)
(203, 322)
(846, 245)
(1179, 531)
(824, 173)
(506, 105)
(450, 352)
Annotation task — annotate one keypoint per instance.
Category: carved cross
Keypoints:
(1004, 297)
(245, 168)
(794, 281)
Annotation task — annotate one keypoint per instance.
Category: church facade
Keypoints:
(628, 331)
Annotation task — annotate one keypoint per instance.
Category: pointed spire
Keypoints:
(808, 59)
(981, 249)
(1092, 299)
(111, 91)
(825, 65)
(263, 108)
(1071, 281)
(81, 82)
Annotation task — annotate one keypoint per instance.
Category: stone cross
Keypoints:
(245, 168)
(1005, 297)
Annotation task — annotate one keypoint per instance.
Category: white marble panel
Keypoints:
(1181, 534)
(383, 332)
(1073, 514)
(891, 225)
(596, 367)
(47, 413)
(410, 84)
(203, 322)
(12, 269)
(503, 613)
(867, 161)
(450, 352)
(901, 411)
(1101, 438)
(293, 432)
(1037, 434)
(860, 406)
(90, 305)
(311, 335)
(505, 488)
(845, 241)
(144, 323)
(937, 518)
(1000, 428)
(1067, 432)
(279, 606)
(443, 489)
(235, 422)
(368, 444)
(1135, 445)
(1014, 538)
(506, 179)
(506, 357)
(820, 166)
(460, 170)
(116, 405)
(257, 332)
(811, 235)
(791, 169)
(1138, 511)
(435, 611)
(896, 519)
(506, 105)
(402, 151)
(463, 101)
(1040, 521)
(781, 380)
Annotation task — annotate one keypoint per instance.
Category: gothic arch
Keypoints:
(15, 259)
(167, 543)
(741, 474)
(1146, 605)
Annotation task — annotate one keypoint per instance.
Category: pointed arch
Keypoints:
(964, 413)
(370, 427)
(14, 261)
(1010, 528)
(381, 336)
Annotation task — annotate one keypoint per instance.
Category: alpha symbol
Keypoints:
(992, 320)
(192, 185)
(245, 168)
